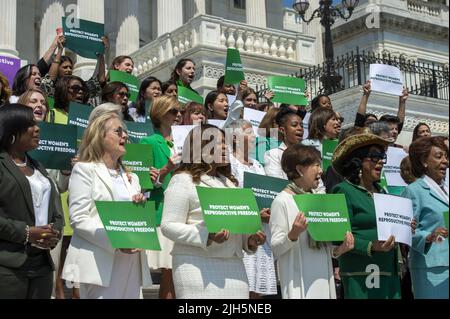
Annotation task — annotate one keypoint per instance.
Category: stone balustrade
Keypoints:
(425, 8)
(218, 33)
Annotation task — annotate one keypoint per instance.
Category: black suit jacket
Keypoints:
(17, 211)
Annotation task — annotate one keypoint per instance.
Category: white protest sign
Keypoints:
(394, 216)
(306, 125)
(446, 177)
(231, 99)
(218, 123)
(180, 133)
(391, 169)
(255, 117)
(386, 78)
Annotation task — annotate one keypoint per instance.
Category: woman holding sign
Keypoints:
(102, 271)
(118, 93)
(304, 265)
(163, 114)
(260, 267)
(205, 265)
(429, 253)
(30, 220)
(360, 159)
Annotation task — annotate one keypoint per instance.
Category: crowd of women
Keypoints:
(51, 233)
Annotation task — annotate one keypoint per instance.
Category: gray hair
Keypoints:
(105, 108)
(380, 128)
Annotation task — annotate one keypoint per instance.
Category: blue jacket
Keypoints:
(429, 211)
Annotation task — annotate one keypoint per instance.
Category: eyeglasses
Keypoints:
(123, 94)
(375, 157)
(76, 88)
(120, 132)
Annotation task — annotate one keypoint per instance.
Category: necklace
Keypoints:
(114, 172)
(23, 164)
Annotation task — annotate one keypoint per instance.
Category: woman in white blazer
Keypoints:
(291, 130)
(205, 266)
(304, 266)
(101, 270)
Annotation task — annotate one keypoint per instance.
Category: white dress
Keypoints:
(260, 267)
(304, 273)
(272, 160)
(201, 271)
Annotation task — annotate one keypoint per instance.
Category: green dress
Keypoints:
(357, 267)
(161, 154)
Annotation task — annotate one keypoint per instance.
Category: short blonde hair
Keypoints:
(24, 99)
(91, 148)
(161, 106)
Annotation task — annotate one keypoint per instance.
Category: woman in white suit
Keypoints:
(205, 265)
(101, 270)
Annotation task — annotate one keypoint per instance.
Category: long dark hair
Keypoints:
(140, 103)
(175, 77)
(15, 119)
(62, 92)
(189, 165)
(20, 80)
(416, 130)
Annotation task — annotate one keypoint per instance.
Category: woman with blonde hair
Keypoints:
(37, 100)
(101, 270)
(5, 91)
(163, 114)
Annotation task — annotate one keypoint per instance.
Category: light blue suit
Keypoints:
(428, 262)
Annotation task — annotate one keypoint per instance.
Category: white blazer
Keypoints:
(183, 221)
(272, 160)
(90, 256)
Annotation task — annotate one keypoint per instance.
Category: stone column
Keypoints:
(256, 13)
(51, 20)
(128, 25)
(170, 15)
(93, 11)
(8, 29)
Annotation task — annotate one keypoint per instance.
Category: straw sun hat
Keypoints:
(352, 143)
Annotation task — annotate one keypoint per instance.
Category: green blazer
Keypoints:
(161, 155)
(361, 209)
(17, 211)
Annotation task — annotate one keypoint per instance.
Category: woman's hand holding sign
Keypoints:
(299, 226)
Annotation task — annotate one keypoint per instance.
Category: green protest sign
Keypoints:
(186, 95)
(328, 148)
(265, 188)
(139, 159)
(57, 146)
(327, 215)
(129, 80)
(50, 102)
(138, 131)
(289, 90)
(446, 219)
(79, 116)
(233, 209)
(129, 225)
(234, 71)
(84, 37)
(383, 182)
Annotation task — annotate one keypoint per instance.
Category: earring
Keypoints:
(13, 140)
(360, 174)
(210, 168)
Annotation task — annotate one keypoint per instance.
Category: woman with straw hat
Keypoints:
(359, 159)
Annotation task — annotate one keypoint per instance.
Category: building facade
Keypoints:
(271, 39)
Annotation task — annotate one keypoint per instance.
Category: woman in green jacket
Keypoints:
(360, 160)
(163, 113)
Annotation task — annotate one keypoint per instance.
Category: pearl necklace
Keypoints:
(23, 164)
